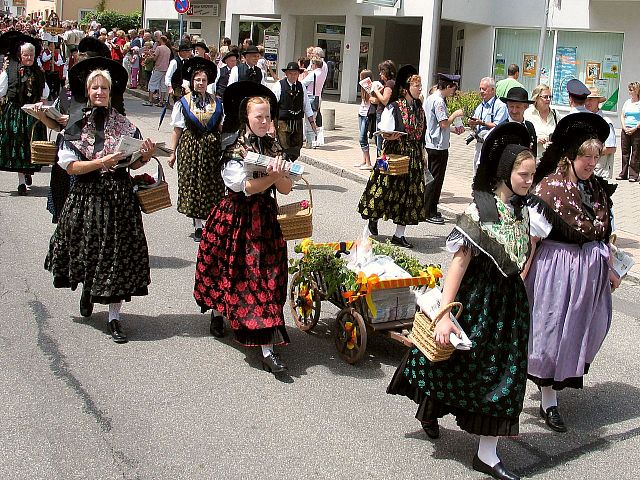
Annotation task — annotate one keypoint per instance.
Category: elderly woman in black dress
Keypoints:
(99, 241)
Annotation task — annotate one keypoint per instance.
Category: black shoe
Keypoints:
(217, 325)
(553, 419)
(116, 333)
(273, 364)
(86, 307)
(497, 471)
(373, 227)
(436, 219)
(401, 242)
(197, 236)
(22, 189)
(28, 179)
(431, 428)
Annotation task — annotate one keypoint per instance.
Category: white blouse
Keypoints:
(538, 225)
(235, 176)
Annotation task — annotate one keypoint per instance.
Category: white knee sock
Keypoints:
(114, 311)
(198, 223)
(21, 179)
(400, 230)
(487, 450)
(549, 398)
(267, 350)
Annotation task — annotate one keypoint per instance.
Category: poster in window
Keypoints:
(611, 66)
(529, 64)
(499, 70)
(565, 69)
(592, 72)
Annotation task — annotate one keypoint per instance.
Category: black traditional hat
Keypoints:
(576, 88)
(201, 45)
(516, 94)
(199, 64)
(292, 66)
(499, 152)
(185, 47)
(402, 77)
(231, 53)
(11, 42)
(81, 70)
(234, 96)
(251, 49)
(570, 133)
(93, 47)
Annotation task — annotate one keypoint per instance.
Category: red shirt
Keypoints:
(116, 53)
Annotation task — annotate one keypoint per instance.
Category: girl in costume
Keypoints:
(483, 388)
(241, 271)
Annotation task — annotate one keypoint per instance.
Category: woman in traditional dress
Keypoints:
(241, 271)
(569, 281)
(23, 82)
(484, 387)
(399, 197)
(99, 241)
(196, 140)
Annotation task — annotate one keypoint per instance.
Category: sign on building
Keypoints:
(204, 10)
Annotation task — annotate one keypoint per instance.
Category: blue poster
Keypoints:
(565, 70)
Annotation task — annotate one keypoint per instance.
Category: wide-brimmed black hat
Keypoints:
(251, 49)
(93, 47)
(402, 77)
(236, 93)
(80, 71)
(570, 133)
(10, 43)
(199, 64)
(517, 94)
(231, 53)
(201, 45)
(292, 66)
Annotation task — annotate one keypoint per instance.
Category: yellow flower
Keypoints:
(305, 244)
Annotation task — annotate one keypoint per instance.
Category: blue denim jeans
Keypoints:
(363, 123)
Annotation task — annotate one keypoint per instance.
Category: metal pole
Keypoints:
(181, 27)
(543, 34)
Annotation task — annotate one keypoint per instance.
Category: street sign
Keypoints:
(182, 6)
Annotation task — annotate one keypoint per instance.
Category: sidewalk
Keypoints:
(342, 151)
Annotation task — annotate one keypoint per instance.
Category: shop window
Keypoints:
(195, 25)
(330, 29)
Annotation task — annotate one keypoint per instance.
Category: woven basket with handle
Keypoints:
(295, 221)
(397, 164)
(422, 334)
(156, 196)
(43, 152)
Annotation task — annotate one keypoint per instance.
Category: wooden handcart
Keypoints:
(355, 320)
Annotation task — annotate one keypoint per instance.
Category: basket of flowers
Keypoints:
(393, 164)
(152, 193)
(296, 219)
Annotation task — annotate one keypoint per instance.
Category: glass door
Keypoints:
(333, 57)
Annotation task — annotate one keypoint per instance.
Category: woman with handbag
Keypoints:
(99, 241)
(569, 281)
(241, 271)
(23, 82)
(196, 122)
(399, 197)
(483, 387)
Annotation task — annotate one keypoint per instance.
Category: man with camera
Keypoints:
(489, 113)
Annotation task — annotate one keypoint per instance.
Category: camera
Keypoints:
(471, 137)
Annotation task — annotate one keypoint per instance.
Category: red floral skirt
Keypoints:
(241, 270)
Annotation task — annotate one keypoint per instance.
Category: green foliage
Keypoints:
(467, 101)
(110, 19)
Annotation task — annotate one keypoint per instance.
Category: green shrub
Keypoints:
(110, 19)
(467, 101)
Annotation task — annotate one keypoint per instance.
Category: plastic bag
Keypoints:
(319, 140)
(361, 252)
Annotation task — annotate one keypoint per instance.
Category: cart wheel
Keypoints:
(305, 303)
(350, 335)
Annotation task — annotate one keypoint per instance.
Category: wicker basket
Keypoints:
(295, 221)
(422, 334)
(156, 196)
(43, 152)
(397, 164)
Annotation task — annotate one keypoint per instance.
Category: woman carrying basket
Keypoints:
(99, 241)
(484, 387)
(241, 271)
(196, 122)
(399, 197)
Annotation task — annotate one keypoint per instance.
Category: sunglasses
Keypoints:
(545, 97)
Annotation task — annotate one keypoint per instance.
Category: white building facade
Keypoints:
(593, 40)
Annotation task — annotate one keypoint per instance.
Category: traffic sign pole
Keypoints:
(181, 27)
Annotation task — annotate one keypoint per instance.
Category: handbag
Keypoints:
(315, 103)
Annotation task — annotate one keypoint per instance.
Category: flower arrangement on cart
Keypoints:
(374, 284)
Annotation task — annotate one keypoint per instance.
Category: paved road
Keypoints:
(175, 403)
